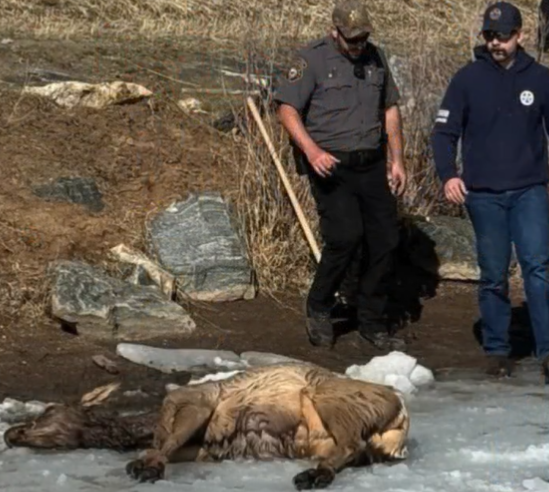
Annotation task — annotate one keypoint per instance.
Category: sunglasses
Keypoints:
(362, 40)
(501, 37)
(359, 71)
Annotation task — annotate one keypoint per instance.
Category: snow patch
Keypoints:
(396, 369)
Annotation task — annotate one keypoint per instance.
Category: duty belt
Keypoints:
(359, 158)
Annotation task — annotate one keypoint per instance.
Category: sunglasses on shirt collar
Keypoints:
(500, 36)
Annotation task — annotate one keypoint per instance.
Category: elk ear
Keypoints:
(98, 395)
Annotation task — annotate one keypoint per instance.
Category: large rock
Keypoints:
(197, 241)
(104, 307)
(419, 103)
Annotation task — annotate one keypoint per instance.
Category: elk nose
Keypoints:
(13, 435)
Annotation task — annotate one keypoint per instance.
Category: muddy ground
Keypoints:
(142, 156)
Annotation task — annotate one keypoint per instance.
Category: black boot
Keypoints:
(378, 335)
(319, 327)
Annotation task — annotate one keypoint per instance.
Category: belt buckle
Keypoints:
(363, 156)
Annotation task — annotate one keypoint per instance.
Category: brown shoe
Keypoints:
(499, 366)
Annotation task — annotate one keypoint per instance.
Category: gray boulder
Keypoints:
(101, 306)
(197, 241)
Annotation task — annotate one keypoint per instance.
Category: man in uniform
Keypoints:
(339, 106)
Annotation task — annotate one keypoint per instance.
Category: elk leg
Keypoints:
(179, 421)
(334, 452)
(391, 444)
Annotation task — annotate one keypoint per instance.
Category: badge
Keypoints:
(495, 14)
(527, 98)
(296, 70)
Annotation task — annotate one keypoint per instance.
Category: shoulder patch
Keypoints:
(297, 67)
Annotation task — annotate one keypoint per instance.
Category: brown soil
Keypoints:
(142, 156)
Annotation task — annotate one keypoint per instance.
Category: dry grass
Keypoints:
(402, 21)
(433, 36)
(275, 240)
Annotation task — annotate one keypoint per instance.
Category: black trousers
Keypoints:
(356, 208)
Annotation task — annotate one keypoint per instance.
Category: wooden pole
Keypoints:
(289, 189)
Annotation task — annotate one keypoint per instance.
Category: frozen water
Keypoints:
(466, 434)
(171, 360)
(12, 410)
(396, 369)
(195, 360)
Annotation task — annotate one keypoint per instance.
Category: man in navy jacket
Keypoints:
(499, 106)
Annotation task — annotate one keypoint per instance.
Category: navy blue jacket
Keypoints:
(500, 116)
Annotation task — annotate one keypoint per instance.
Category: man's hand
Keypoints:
(321, 161)
(397, 178)
(455, 191)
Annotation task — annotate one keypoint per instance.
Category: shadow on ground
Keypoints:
(521, 335)
(413, 279)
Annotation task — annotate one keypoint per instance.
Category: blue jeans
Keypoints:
(500, 219)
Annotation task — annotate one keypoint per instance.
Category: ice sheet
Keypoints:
(466, 435)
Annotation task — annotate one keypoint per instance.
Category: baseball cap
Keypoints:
(502, 17)
(351, 18)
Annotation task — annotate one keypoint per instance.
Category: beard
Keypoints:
(355, 54)
(500, 54)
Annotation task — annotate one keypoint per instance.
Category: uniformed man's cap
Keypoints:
(351, 18)
(502, 17)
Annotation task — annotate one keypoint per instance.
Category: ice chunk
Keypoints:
(421, 376)
(218, 376)
(12, 410)
(265, 358)
(175, 360)
(394, 369)
(536, 485)
(395, 362)
(401, 383)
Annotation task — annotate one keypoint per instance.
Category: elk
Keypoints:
(280, 411)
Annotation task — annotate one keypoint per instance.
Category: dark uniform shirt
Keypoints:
(342, 102)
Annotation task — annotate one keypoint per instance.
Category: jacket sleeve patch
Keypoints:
(296, 70)
(442, 116)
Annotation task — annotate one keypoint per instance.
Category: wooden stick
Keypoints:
(297, 207)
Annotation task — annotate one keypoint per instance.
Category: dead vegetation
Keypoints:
(404, 21)
(149, 164)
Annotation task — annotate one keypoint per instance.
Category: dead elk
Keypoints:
(284, 411)
(66, 427)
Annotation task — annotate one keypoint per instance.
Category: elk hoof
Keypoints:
(314, 478)
(138, 471)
